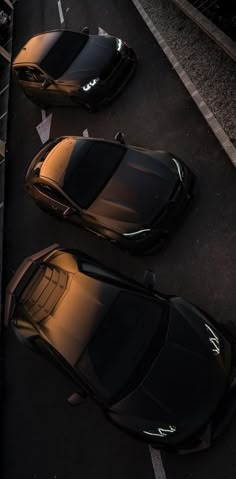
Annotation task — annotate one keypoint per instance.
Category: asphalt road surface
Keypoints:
(44, 437)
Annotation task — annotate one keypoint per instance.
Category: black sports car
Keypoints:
(159, 367)
(61, 67)
(131, 196)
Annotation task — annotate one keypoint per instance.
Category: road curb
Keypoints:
(213, 123)
(208, 27)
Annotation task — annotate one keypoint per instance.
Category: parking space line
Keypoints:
(86, 133)
(60, 11)
(158, 467)
(44, 127)
(4, 89)
(102, 32)
(213, 123)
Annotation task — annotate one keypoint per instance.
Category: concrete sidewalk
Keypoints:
(207, 72)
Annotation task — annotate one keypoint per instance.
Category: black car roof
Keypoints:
(81, 167)
(37, 48)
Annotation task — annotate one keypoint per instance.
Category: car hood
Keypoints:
(92, 61)
(137, 192)
(187, 381)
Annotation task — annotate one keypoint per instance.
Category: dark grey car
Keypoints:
(61, 67)
(131, 196)
(159, 367)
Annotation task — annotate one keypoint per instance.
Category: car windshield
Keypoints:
(63, 52)
(91, 166)
(124, 345)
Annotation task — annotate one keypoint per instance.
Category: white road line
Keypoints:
(102, 32)
(44, 128)
(4, 89)
(1, 204)
(158, 467)
(86, 133)
(43, 114)
(60, 11)
(4, 114)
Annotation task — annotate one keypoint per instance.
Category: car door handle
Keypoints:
(69, 211)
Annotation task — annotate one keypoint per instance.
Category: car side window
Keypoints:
(55, 195)
(31, 74)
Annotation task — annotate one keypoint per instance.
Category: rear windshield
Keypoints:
(90, 168)
(63, 53)
(123, 346)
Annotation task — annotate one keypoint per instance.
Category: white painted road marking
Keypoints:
(158, 467)
(44, 128)
(1, 204)
(43, 114)
(102, 32)
(60, 11)
(86, 133)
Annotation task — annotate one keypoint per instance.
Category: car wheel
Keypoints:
(44, 209)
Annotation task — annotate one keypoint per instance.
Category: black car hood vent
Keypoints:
(44, 292)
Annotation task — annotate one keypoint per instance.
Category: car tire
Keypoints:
(44, 209)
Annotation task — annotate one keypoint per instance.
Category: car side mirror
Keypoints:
(86, 30)
(46, 83)
(150, 279)
(120, 137)
(75, 399)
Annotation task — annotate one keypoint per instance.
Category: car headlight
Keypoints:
(137, 234)
(119, 44)
(162, 431)
(179, 168)
(214, 340)
(90, 85)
